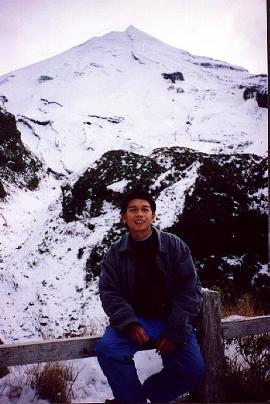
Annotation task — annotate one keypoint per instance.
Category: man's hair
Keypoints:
(137, 193)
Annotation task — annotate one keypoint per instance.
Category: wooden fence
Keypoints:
(213, 332)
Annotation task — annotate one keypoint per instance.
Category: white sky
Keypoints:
(229, 30)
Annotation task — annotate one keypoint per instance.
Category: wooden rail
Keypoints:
(245, 327)
(213, 331)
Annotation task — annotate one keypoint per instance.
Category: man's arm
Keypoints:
(113, 302)
(119, 311)
(187, 297)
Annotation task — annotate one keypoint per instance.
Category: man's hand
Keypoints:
(165, 346)
(137, 333)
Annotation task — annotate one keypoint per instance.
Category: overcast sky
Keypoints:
(229, 30)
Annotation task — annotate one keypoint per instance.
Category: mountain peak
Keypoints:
(135, 32)
(131, 28)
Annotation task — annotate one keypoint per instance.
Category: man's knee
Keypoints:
(115, 349)
(105, 348)
(188, 365)
(101, 347)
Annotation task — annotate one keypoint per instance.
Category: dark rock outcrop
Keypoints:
(17, 164)
(3, 100)
(173, 76)
(219, 228)
(110, 119)
(216, 65)
(225, 211)
(224, 220)
(43, 78)
(258, 92)
(2, 191)
(94, 184)
(223, 205)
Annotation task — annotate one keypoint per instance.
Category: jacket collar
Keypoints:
(126, 245)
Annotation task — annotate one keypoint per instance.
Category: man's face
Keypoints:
(139, 217)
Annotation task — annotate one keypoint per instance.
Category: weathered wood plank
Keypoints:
(212, 347)
(82, 347)
(245, 327)
(47, 351)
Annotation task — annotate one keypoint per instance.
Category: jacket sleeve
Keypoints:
(187, 297)
(115, 305)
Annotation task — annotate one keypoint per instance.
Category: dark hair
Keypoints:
(137, 193)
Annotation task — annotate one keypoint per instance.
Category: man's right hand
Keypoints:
(137, 333)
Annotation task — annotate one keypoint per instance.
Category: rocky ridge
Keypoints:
(18, 166)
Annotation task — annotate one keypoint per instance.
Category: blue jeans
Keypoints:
(182, 368)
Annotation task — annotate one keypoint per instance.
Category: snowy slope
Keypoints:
(120, 76)
(108, 93)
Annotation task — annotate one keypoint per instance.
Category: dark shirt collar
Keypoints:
(142, 239)
(126, 242)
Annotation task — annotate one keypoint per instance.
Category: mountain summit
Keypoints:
(136, 93)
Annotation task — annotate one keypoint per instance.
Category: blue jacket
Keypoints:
(173, 258)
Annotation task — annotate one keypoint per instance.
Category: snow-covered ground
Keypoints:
(90, 385)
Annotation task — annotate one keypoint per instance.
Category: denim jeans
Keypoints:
(182, 368)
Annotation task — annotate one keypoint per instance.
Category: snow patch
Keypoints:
(171, 201)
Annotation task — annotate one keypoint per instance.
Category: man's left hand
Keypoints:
(165, 346)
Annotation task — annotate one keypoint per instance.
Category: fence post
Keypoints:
(3, 369)
(211, 342)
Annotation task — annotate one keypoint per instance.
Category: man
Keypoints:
(150, 291)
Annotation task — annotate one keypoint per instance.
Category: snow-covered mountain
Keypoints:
(115, 88)
(90, 122)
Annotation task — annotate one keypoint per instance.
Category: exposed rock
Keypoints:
(111, 119)
(47, 102)
(224, 213)
(94, 184)
(136, 58)
(215, 65)
(8, 129)
(217, 215)
(222, 218)
(173, 76)
(42, 123)
(17, 164)
(57, 175)
(262, 99)
(2, 191)
(258, 92)
(3, 100)
(28, 125)
(43, 78)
